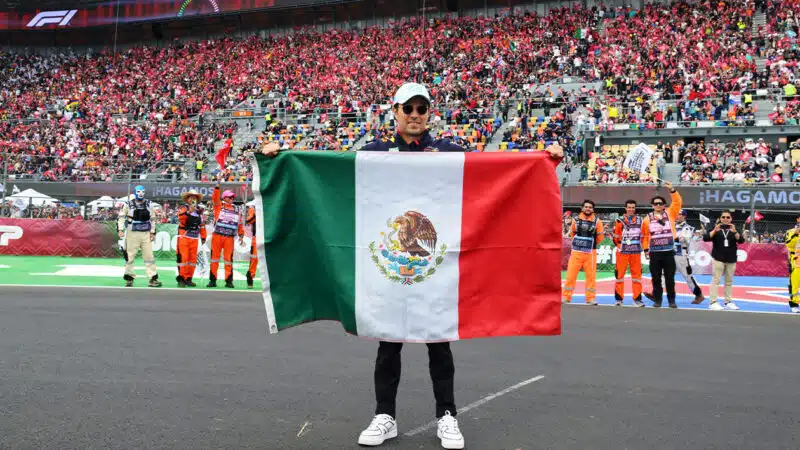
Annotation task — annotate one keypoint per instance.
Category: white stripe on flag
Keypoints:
(387, 186)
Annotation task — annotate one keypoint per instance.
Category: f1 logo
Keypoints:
(61, 18)
(8, 233)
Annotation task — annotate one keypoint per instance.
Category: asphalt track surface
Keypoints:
(82, 368)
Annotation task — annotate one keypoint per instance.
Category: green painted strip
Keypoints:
(94, 272)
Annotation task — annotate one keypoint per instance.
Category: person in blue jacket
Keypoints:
(412, 109)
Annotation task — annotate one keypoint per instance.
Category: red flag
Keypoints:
(758, 216)
(223, 153)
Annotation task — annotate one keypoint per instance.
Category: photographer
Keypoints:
(725, 239)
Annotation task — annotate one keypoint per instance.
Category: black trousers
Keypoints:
(663, 262)
(387, 377)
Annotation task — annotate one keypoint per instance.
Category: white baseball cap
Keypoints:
(409, 91)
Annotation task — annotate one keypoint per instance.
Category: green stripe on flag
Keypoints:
(307, 204)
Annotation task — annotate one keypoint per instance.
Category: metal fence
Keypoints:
(92, 168)
(758, 226)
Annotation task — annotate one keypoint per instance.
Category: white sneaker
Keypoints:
(795, 309)
(449, 433)
(382, 427)
(715, 306)
(731, 306)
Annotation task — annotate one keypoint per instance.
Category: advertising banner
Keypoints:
(103, 13)
(761, 260)
(45, 237)
(42, 237)
(153, 190)
(711, 196)
(784, 197)
(758, 260)
(78, 238)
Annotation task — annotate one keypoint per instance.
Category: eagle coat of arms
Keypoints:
(407, 254)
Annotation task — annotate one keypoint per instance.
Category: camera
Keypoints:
(725, 227)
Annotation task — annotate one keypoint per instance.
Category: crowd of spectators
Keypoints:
(65, 116)
(527, 132)
(745, 161)
(612, 172)
(104, 149)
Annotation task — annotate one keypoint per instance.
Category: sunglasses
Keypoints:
(658, 204)
(421, 109)
(725, 217)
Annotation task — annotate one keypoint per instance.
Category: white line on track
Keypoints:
(142, 288)
(474, 405)
(782, 301)
(584, 305)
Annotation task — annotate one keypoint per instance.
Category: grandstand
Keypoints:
(713, 92)
(561, 70)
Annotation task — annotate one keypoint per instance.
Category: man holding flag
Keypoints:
(411, 109)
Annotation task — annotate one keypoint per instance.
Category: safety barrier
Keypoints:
(763, 260)
(79, 238)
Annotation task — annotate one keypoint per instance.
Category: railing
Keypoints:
(292, 116)
(675, 124)
(679, 183)
(129, 173)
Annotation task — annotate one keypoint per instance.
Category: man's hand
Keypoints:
(668, 185)
(647, 256)
(555, 150)
(241, 240)
(121, 234)
(271, 149)
(152, 237)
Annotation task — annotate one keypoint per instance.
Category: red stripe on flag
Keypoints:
(510, 259)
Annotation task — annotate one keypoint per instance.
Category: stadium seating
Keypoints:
(686, 63)
(745, 161)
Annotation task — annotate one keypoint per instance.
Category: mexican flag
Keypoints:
(411, 247)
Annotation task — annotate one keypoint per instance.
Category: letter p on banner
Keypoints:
(8, 233)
